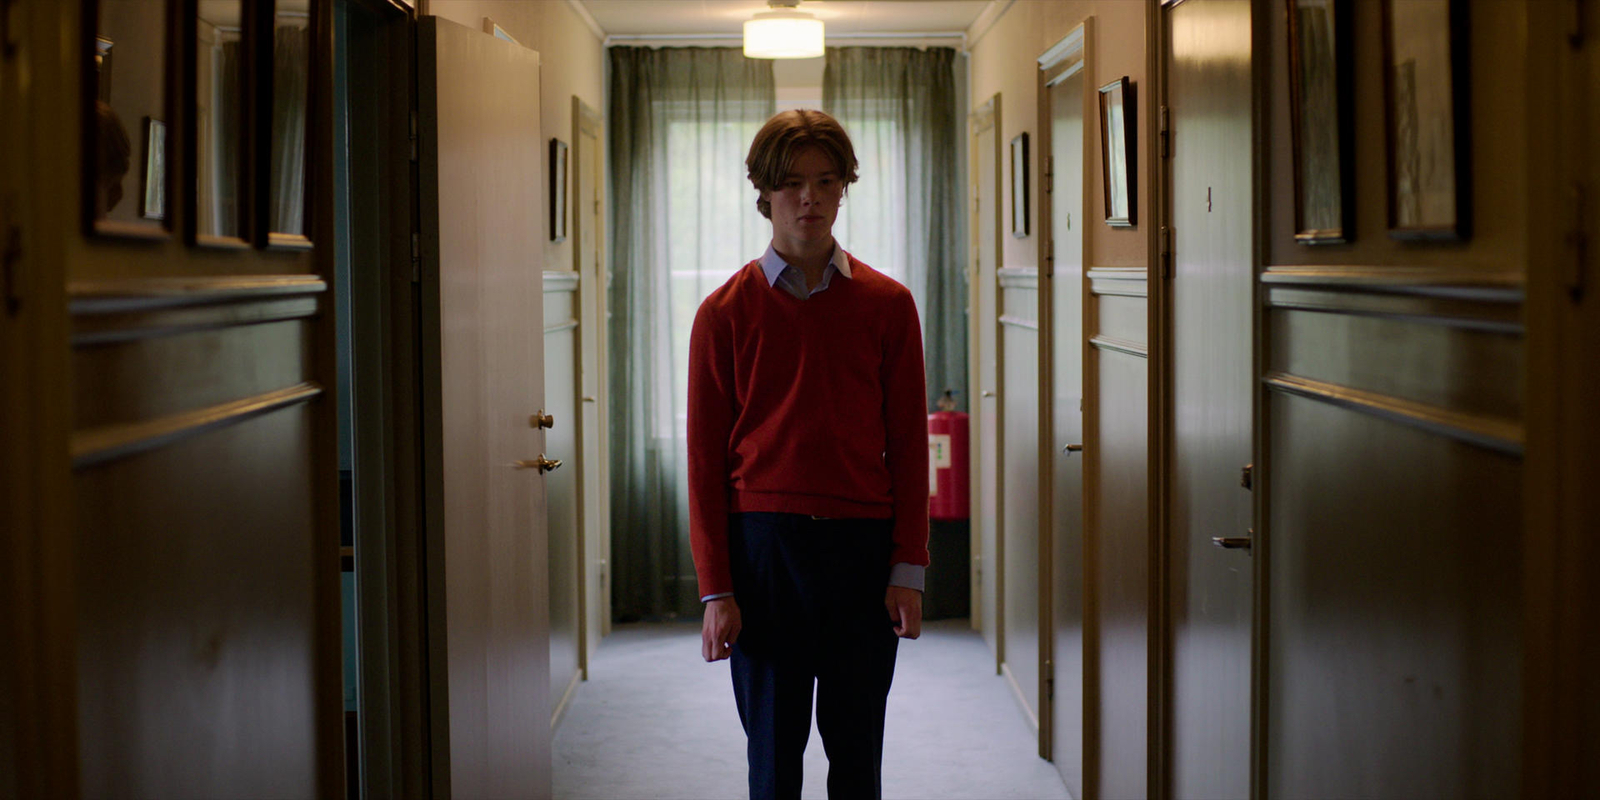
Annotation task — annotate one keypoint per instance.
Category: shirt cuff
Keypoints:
(708, 598)
(909, 576)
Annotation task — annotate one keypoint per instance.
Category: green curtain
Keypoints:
(904, 217)
(683, 220)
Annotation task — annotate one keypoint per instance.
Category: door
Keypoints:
(481, 147)
(588, 223)
(1210, 415)
(563, 505)
(984, 126)
(1062, 109)
(1019, 495)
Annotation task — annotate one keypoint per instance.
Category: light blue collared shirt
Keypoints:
(791, 279)
(781, 275)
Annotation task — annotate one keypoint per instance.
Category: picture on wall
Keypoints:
(1019, 185)
(558, 190)
(1117, 152)
(1425, 83)
(1320, 115)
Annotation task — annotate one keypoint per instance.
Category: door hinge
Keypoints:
(1166, 252)
(1166, 133)
(1578, 243)
(416, 257)
(1049, 680)
(1575, 23)
(10, 256)
(413, 135)
(1049, 250)
(1247, 476)
(1049, 174)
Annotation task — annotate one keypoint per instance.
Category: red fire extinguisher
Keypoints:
(949, 497)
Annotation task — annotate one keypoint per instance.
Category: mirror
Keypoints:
(291, 84)
(125, 113)
(219, 118)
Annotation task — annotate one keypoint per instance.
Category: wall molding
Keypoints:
(1460, 283)
(1012, 321)
(97, 446)
(568, 325)
(1119, 281)
(120, 296)
(1017, 277)
(1125, 346)
(1493, 433)
(560, 280)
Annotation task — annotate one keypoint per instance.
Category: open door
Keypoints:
(983, 353)
(483, 367)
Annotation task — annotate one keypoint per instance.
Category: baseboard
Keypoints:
(566, 697)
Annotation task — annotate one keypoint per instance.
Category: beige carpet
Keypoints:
(654, 721)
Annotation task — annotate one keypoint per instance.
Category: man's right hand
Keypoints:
(720, 629)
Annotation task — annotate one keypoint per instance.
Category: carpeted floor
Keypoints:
(654, 721)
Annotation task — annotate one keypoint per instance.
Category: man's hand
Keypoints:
(905, 611)
(721, 625)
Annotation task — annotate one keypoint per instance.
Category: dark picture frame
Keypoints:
(1321, 113)
(1019, 185)
(1118, 156)
(558, 190)
(118, 153)
(1427, 121)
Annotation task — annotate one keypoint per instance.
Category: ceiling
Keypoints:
(681, 17)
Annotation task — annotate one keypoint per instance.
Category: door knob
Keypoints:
(988, 393)
(541, 420)
(541, 463)
(1234, 542)
(1072, 448)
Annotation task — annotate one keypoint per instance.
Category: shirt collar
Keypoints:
(773, 265)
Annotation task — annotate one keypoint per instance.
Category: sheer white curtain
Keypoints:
(683, 221)
(904, 217)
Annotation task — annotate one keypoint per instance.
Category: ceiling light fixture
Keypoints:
(783, 32)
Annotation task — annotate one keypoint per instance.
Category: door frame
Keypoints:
(1065, 58)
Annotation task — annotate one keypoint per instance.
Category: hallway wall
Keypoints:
(1117, 545)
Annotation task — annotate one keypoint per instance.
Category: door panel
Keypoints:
(588, 219)
(1019, 395)
(1065, 148)
(480, 175)
(986, 512)
(1209, 601)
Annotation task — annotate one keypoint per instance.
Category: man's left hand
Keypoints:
(905, 611)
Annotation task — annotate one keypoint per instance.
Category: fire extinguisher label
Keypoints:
(939, 450)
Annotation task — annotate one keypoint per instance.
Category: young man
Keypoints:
(808, 472)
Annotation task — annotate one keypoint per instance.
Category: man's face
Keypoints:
(805, 204)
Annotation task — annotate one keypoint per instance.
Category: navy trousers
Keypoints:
(810, 594)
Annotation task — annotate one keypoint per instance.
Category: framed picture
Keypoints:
(1019, 185)
(153, 205)
(1425, 89)
(1117, 151)
(558, 190)
(1320, 114)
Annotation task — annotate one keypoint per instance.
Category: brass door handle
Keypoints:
(541, 463)
(1234, 542)
(541, 420)
(1072, 448)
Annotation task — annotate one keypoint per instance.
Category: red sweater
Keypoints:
(813, 406)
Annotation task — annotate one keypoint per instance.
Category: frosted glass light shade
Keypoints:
(783, 34)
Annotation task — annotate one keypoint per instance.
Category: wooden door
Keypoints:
(594, 471)
(170, 536)
(483, 351)
(1209, 416)
(987, 515)
(1061, 209)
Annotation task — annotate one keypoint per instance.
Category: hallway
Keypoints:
(654, 721)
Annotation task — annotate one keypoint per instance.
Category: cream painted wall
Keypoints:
(572, 62)
(1003, 60)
